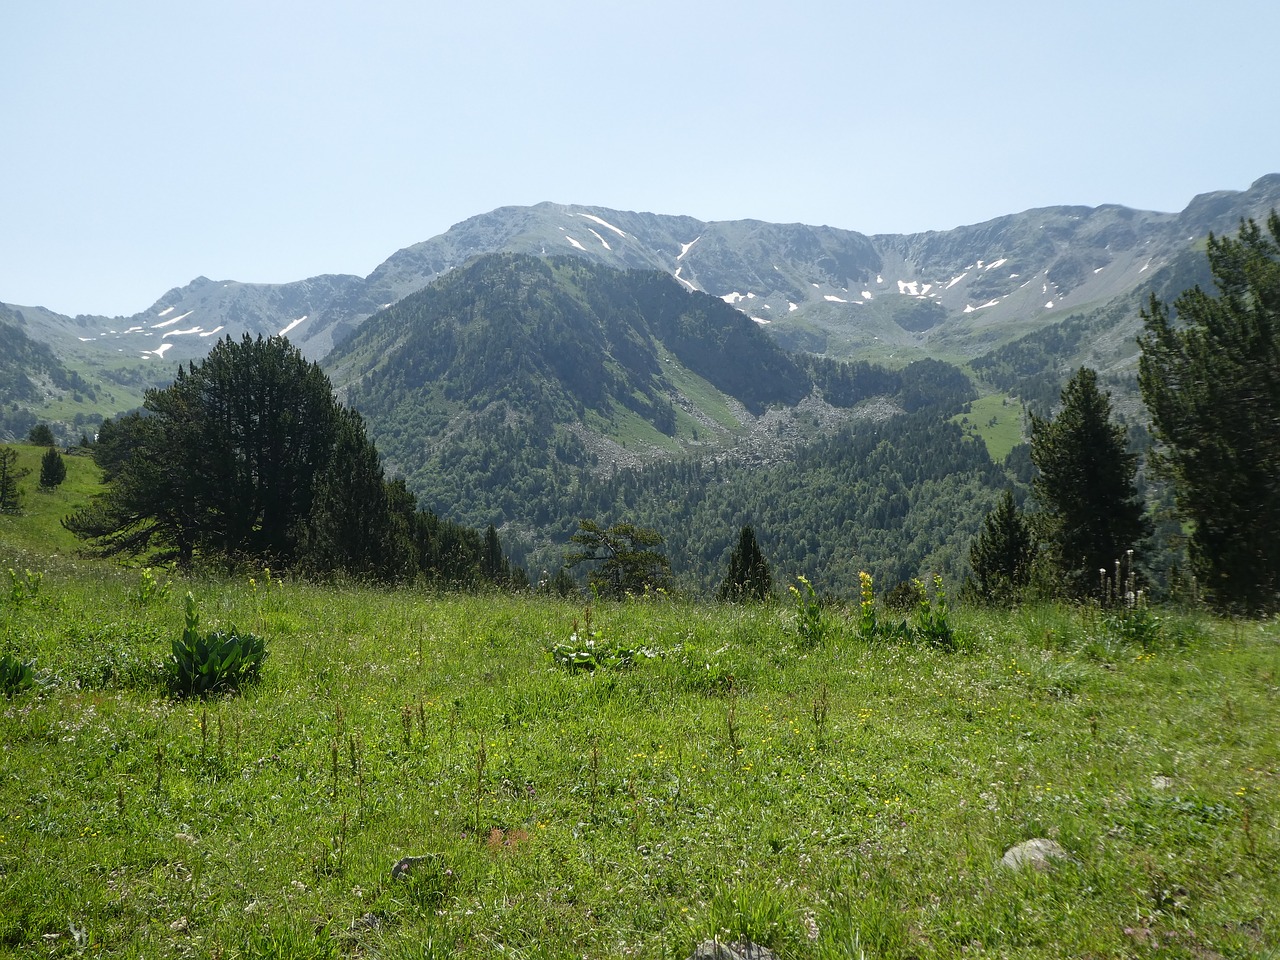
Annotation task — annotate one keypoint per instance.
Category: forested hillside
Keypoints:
(555, 389)
(29, 371)
(900, 498)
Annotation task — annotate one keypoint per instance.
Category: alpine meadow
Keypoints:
(605, 584)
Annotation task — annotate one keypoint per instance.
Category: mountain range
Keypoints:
(512, 366)
(956, 292)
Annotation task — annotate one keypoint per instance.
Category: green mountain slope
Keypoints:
(529, 393)
(517, 369)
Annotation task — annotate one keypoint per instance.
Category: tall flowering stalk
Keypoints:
(809, 623)
(932, 625)
(867, 625)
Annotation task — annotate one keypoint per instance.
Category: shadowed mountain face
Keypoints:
(953, 292)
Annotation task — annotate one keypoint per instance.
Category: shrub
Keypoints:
(205, 663)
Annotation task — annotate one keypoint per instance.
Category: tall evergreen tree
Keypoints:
(1086, 485)
(748, 577)
(10, 474)
(1211, 382)
(259, 423)
(1002, 552)
(53, 470)
(354, 525)
(226, 462)
(494, 566)
(41, 435)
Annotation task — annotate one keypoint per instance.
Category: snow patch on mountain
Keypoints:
(603, 223)
(603, 241)
(293, 324)
(575, 243)
(684, 247)
(683, 282)
(169, 323)
(165, 311)
(913, 288)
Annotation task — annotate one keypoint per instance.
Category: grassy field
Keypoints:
(837, 799)
(997, 421)
(39, 526)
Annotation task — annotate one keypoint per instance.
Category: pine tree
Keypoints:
(41, 435)
(494, 566)
(748, 577)
(53, 470)
(1002, 552)
(630, 562)
(1086, 485)
(354, 525)
(10, 474)
(1212, 385)
(225, 464)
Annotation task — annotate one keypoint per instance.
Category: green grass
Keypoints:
(627, 812)
(38, 529)
(118, 381)
(707, 398)
(996, 420)
(630, 430)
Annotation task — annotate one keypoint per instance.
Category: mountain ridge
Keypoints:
(820, 288)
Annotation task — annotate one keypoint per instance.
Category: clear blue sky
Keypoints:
(146, 143)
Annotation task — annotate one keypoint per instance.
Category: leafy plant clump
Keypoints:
(24, 586)
(930, 621)
(932, 625)
(15, 675)
(810, 624)
(588, 649)
(215, 662)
